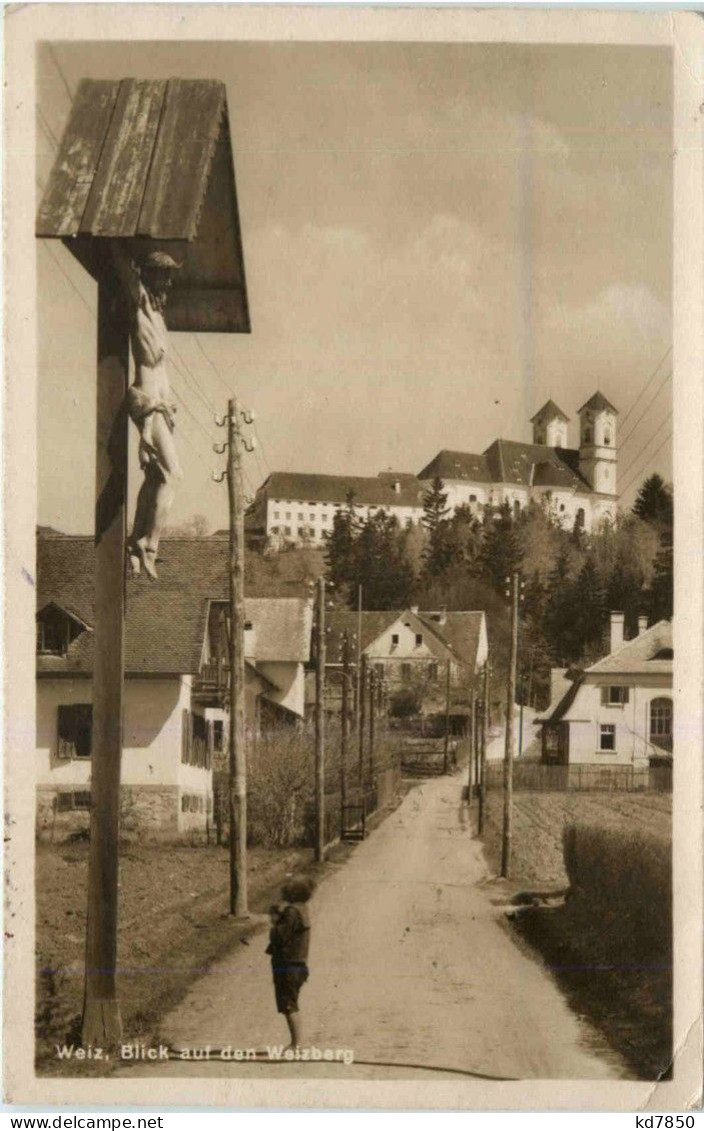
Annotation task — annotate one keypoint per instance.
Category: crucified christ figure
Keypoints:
(149, 401)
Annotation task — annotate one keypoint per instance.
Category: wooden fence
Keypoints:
(536, 776)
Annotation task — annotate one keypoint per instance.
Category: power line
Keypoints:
(57, 64)
(67, 277)
(652, 400)
(647, 386)
(640, 471)
(647, 442)
(43, 121)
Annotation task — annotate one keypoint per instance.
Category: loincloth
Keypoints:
(142, 408)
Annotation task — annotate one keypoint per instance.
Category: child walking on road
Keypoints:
(289, 940)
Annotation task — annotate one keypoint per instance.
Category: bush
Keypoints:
(623, 883)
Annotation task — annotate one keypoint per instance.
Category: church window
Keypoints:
(587, 435)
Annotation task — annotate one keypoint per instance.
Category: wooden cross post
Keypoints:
(102, 1026)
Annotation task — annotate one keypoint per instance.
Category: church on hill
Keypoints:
(577, 485)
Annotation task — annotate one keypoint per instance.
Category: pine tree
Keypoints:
(340, 550)
(383, 567)
(435, 508)
(501, 552)
(654, 502)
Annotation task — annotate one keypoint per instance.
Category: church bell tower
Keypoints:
(597, 444)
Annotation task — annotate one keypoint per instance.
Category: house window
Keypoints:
(287, 530)
(433, 673)
(218, 735)
(379, 671)
(276, 514)
(579, 519)
(516, 507)
(587, 435)
(472, 498)
(419, 639)
(394, 640)
(406, 671)
(614, 696)
(66, 802)
(300, 517)
(288, 515)
(607, 737)
(311, 518)
(75, 730)
(56, 630)
(661, 723)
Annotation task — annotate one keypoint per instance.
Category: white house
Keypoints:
(175, 696)
(577, 485)
(405, 647)
(619, 711)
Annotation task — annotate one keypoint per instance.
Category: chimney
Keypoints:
(617, 620)
(642, 625)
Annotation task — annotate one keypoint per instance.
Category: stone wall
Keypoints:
(146, 811)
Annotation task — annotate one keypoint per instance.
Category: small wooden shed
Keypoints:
(149, 162)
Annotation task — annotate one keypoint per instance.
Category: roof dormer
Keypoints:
(57, 629)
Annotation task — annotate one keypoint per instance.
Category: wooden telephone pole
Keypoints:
(508, 749)
(345, 716)
(237, 791)
(320, 723)
(372, 722)
(472, 744)
(446, 751)
(361, 714)
(482, 756)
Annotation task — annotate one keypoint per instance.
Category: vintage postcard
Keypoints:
(353, 609)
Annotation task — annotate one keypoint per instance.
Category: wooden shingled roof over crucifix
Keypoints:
(149, 162)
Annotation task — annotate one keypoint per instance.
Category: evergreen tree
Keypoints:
(501, 551)
(436, 556)
(382, 564)
(654, 502)
(588, 614)
(340, 549)
(435, 508)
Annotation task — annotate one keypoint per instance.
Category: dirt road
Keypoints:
(411, 961)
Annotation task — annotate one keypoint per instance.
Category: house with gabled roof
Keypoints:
(176, 681)
(619, 710)
(405, 647)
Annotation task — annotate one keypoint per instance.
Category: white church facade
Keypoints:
(577, 485)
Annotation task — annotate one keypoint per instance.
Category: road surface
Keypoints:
(412, 962)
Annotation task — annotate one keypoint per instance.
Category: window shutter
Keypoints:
(66, 732)
(604, 695)
(209, 747)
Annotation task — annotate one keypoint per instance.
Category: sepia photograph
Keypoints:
(355, 706)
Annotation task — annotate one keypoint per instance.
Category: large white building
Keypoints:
(577, 485)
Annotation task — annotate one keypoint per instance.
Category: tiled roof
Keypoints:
(458, 465)
(599, 403)
(561, 703)
(371, 491)
(460, 631)
(636, 657)
(165, 621)
(512, 462)
(281, 628)
(551, 410)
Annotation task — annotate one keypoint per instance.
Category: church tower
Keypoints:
(550, 426)
(597, 444)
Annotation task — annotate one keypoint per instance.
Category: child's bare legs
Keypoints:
(295, 1028)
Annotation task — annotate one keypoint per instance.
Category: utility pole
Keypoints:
(345, 716)
(320, 723)
(482, 769)
(508, 749)
(476, 705)
(361, 680)
(472, 746)
(237, 785)
(446, 752)
(372, 722)
(358, 681)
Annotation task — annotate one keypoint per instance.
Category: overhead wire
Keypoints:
(59, 68)
(649, 441)
(633, 478)
(647, 408)
(647, 385)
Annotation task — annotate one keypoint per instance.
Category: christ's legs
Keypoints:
(156, 495)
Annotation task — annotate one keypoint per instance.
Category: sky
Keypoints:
(437, 238)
